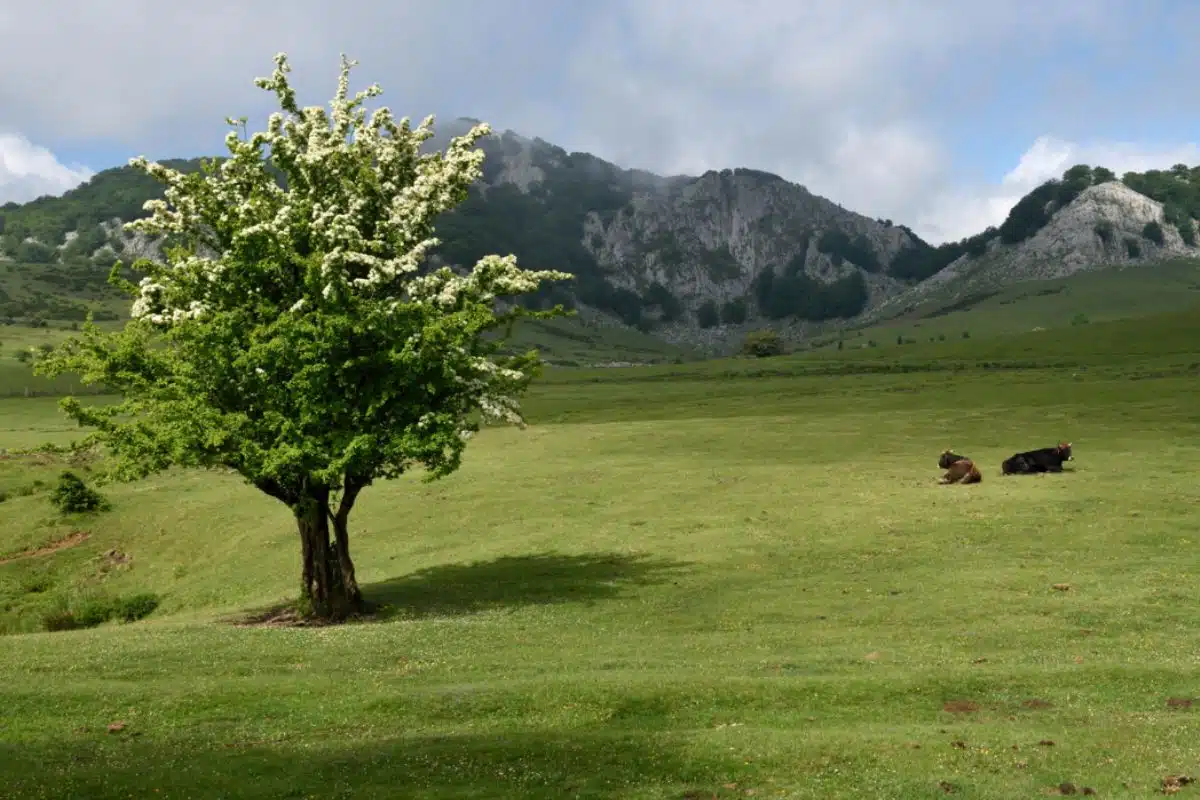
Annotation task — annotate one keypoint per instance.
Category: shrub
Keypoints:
(94, 611)
(1154, 232)
(72, 496)
(36, 584)
(59, 620)
(135, 606)
(1187, 232)
(734, 312)
(762, 344)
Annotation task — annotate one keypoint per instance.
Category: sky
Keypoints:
(938, 114)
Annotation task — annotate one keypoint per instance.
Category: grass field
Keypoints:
(729, 579)
(1097, 296)
(568, 342)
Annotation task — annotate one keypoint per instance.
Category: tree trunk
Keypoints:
(328, 589)
(345, 566)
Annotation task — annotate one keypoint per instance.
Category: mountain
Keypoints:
(1086, 220)
(695, 260)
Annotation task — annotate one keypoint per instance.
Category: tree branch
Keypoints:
(351, 486)
(278, 491)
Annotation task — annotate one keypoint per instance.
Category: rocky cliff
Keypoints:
(1105, 224)
(699, 260)
(692, 258)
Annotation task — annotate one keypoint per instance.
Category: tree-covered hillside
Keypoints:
(1178, 189)
(543, 226)
(119, 192)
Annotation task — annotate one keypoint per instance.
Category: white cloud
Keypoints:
(873, 103)
(853, 99)
(963, 212)
(28, 171)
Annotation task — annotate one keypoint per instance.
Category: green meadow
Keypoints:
(725, 579)
(1103, 295)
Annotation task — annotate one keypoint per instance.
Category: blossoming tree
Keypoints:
(293, 333)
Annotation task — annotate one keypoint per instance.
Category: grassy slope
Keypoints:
(714, 582)
(562, 342)
(565, 342)
(1102, 295)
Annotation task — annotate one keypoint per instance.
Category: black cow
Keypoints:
(1048, 459)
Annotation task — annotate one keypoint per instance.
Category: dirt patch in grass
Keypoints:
(287, 615)
(75, 538)
(1036, 703)
(960, 706)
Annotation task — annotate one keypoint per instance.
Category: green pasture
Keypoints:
(730, 579)
(1102, 295)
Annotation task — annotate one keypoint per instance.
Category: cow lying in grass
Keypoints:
(959, 469)
(1047, 459)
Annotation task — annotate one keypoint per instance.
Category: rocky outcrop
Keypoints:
(700, 259)
(710, 237)
(701, 240)
(1105, 225)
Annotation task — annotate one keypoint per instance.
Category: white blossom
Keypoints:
(361, 198)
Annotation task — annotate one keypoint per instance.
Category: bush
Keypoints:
(135, 607)
(72, 496)
(95, 611)
(762, 344)
(36, 584)
(59, 620)
(1154, 232)
(734, 311)
(1187, 232)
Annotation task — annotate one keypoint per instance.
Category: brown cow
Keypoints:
(959, 469)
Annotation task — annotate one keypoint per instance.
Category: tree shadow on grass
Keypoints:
(449, 590)
(518, 764)
(514, 581)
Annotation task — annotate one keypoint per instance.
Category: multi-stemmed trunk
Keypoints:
(328, 587)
